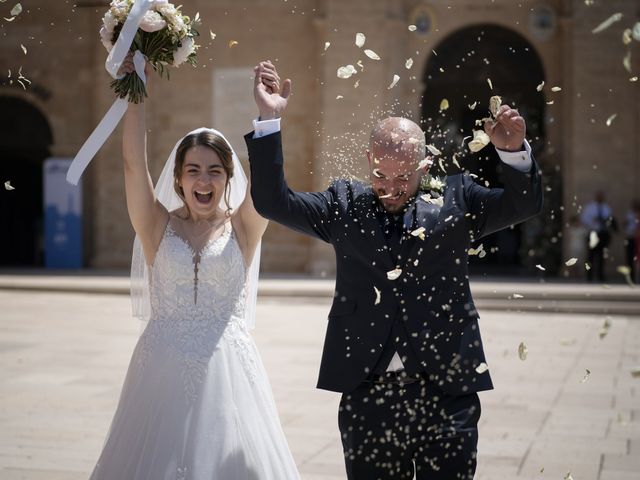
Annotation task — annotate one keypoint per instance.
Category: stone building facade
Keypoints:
(455, 49)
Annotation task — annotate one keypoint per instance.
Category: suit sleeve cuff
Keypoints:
(262, 128)
(519, 160)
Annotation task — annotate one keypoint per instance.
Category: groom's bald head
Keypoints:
(398, 135)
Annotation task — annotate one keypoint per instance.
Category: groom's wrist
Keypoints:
(268, 115)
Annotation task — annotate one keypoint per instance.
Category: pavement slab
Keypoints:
(63, 357)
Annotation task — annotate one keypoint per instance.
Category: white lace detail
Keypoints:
(197, 300)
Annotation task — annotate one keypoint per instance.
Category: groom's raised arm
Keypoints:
(305, 212)
(308, 213)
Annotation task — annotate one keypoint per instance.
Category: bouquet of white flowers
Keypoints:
(165, 37)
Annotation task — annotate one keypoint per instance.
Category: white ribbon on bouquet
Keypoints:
(110, 121)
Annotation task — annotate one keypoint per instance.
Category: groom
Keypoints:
(403, 343)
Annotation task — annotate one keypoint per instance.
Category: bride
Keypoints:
(196, 402)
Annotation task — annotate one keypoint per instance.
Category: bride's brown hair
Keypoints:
(215, 142)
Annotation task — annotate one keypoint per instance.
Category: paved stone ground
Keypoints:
(63, 357)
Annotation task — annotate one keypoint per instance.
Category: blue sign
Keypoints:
(62, 216)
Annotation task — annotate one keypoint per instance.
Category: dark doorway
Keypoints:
(460, 71)
(25, 138)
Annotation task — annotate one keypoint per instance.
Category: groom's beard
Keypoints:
(394, 203)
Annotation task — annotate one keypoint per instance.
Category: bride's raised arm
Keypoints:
(148, 216)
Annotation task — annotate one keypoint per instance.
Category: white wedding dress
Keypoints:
(196, 402)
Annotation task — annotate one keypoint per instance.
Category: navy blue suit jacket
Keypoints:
(431, 298)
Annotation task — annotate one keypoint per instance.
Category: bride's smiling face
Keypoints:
(203, 180)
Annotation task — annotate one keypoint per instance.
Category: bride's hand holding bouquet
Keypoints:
(165, 36)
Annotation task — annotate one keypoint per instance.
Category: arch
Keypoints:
(463, 69)
(25, 139)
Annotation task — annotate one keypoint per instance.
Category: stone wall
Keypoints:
(327, 124)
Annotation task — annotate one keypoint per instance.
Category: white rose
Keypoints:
(167, 9)
(109, 21)
(119, 10)
(105, 38)
(152, 22)
(158, 4)
(180, 56)
(177, 23)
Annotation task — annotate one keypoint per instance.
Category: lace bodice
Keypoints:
(197, 302)
(206, 286)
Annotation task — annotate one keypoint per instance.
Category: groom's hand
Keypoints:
(270, 98)
(507, 131)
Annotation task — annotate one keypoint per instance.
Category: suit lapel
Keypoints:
(427, 214)
(371, 227)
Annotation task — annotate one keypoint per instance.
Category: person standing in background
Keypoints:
(597, 218)
(631, 232)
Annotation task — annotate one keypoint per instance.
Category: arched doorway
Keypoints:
(25, 137)
(463, 70)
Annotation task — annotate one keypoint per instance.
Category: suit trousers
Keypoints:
(393, 431)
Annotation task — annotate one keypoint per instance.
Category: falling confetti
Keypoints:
(17, 10)
(326, 45)
(593, 240)
(7, 185)
(522, 351)
(556, 89)
(444, 104)
(604, 331)
(626, 271)
(473, 106)
(360, 39)
(378, 295)
(434, 201)
(517, 295)
(419, 232)
(412, 28)
(409, 63)
(371, 54)
(571, 262)
(540, 267)
(346, 71)
(626, 61)
(540, 87)
(394, 274)
(616, 17)
(635, 32)
(427, 162)
(212, 35)
(396, 79)
(611, 119)
(480, 140)
(627, 38)
(490, 83)
(586, 376)
(24, 49)
(233, 43)
(480, 251)
(495, 103)
(433, 150)
(568, 476)
(482, 368)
